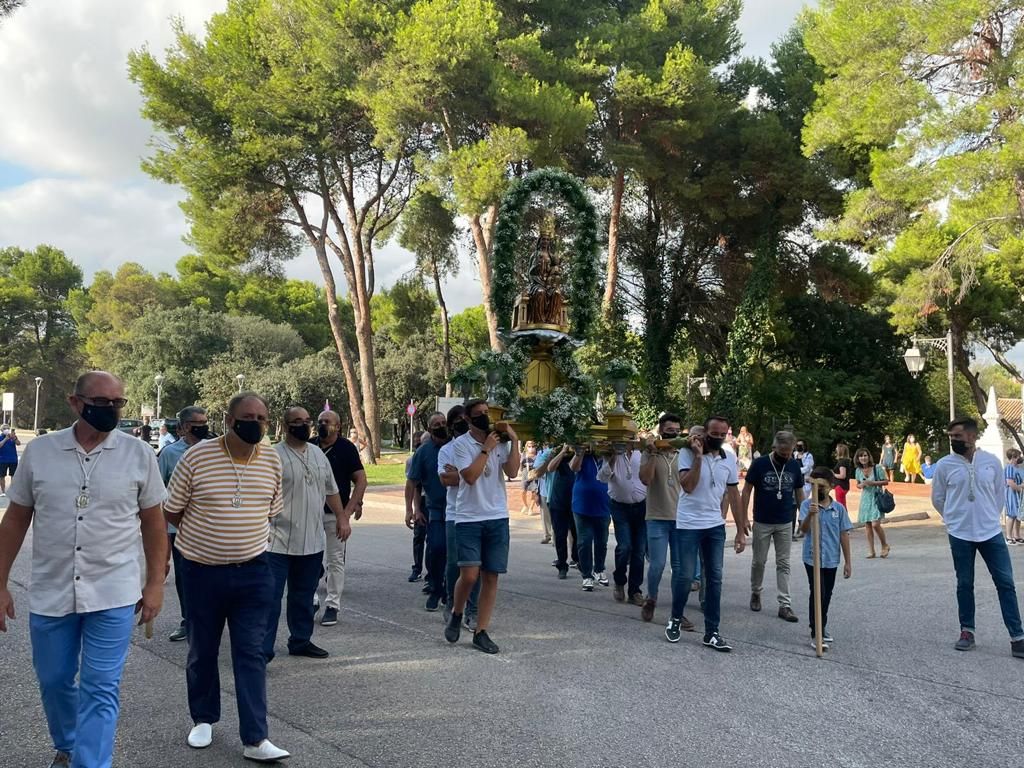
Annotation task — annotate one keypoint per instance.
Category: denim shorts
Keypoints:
(483, 543)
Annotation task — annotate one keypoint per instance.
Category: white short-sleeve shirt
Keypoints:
(299, 529)
(447, 456)
(702, 508)
(86, 559)
(485, 499)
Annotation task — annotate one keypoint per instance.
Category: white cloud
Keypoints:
(765, 21)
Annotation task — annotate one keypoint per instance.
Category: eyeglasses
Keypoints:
(103, 402)
(300, 423)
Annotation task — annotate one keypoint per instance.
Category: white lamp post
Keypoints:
(702, 386)
(240, 378)
(159, 379)
(35, 419)
(915, 362)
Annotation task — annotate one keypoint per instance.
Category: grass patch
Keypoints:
(389, 471)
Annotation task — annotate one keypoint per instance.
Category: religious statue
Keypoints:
(545, 304)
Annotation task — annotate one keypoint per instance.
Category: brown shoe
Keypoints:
(619, 593)
(785, 612)
(885, 551)
(636, 598)
(647, 612)
(755, 601)
(686, 625)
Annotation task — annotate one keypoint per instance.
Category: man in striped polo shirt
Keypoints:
(221, 498)
(297, 537)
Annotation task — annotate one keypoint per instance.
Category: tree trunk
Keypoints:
(612, 276)
(445, 328)
(483, 240)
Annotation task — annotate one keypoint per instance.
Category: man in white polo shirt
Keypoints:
(967, 490)
(707, 474)
(629, 510)
(297, 536)
(484, 459)
(88, 491)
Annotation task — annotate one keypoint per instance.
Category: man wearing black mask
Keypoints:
(193, 426)
(343, 456)
(297, 536)
(423, 471)
(458, 425)
(967, 490)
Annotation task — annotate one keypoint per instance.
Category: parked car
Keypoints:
(154, 436)
(129, 425)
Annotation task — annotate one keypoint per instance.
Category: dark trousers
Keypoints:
(437, 556)
(302, 575)
(828, 582)
(593, 544)
(178, 581)
(996, 555)
(564, 523)
(239, 595)
(419, 543)
(630, 544)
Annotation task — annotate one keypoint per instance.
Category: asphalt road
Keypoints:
(581, 681)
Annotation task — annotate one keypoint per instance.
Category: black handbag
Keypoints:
(885, 500)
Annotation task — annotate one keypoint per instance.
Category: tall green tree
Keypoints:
(263, 123)
(929, 93)
(37, 330)
(478, 79)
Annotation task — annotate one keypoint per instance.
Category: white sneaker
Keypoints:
(201, 736)
(602, 579)
(264, 752)
(588, 585)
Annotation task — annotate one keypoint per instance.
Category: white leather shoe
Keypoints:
(264, 752)
(200, 736)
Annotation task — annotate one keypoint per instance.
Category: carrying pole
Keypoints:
(819, 631)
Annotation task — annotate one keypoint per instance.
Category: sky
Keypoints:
(71, 137)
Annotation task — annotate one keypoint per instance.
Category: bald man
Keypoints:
(343, 456)
(88, 491)
(297, 536)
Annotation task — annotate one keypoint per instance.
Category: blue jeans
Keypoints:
(452, 570)
(592, 543)
(659, 541)
(437, 553)
(82, 718)
(239, 595)
(997, 558)
(302, 575)
(630, 544)
(709, 543)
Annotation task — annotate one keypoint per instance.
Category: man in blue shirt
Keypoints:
(193, 426)
(423, 471)
(9, 443)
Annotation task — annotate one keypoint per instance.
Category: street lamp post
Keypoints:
(240, 378)
(915, 362)
(35, 419)
(159, 380)
(702, 387)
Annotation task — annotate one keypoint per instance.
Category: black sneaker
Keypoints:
(1017, 649)
(574, 564)
(309, 651)
(179, 634)
(432, 602)
(563, 573)
(414, 576)
(454, 628)
(483, 642)
(330, 617)
(672, 632)
(426, 588)
(966, 641)
(716, 641)
(470, 621)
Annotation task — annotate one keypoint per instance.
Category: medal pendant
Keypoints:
(309, 478)
(82, 501)
(236, 501)
(779, 495)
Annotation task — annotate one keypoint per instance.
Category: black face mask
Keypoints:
(713, 443)
(249, 431)
(102, 418)
(481, 422)
(669, 435)
(460, 427)
(200, 431)
(323, 429)
(959, 447)
(300, 432)
(441, 433)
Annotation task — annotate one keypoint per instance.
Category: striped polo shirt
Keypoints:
(213, 531)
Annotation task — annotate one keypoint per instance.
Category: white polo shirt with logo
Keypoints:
(86, 559)
(701, 508)
(485, 499)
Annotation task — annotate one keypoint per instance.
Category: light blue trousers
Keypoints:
(82, 716)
